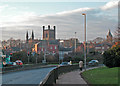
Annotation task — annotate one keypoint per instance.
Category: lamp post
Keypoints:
(61, 53)
(84, 40)
(75, 42)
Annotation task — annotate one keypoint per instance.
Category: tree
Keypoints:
(117, 35)
(112, 57)
(22, 55)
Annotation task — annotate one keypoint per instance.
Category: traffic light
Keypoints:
(28, 54)
(11, 54)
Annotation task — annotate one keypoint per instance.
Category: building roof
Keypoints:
(55, 42)
(102, 44)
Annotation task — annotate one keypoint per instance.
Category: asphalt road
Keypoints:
(26, 77)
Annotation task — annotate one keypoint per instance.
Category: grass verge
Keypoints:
(103, 75)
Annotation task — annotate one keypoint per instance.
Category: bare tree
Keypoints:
(117, 35)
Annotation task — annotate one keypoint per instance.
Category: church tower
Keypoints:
(109, 36)
(27, 36)
(49, 34)
(32, 35)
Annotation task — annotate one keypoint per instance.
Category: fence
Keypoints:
(53, 75)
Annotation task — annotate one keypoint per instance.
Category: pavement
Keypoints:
(73, 77)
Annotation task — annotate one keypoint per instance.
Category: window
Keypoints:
(102, 47)
(46, 35)
(97, 47)
(55, 47)
(51, 47)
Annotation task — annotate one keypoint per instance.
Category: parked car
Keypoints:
(64, 64)
(19, 62)
(14, 63)
(93, 63)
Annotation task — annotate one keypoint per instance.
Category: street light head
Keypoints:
(83, 14)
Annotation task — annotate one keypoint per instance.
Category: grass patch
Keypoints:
(101, 75)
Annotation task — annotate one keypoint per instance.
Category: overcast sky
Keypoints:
(18, 17)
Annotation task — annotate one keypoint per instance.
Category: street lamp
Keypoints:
(61, 53)
(75, 42)
(84, 40)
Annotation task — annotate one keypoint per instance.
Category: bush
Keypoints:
(51, 58)
(112, 57)
(22, 55)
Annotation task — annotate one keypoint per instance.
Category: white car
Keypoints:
(93, 62)
(14, 63)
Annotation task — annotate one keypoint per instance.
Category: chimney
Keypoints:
(48, 27)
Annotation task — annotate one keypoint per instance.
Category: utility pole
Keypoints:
(36, 58)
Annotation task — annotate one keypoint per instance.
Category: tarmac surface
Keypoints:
(34, 76)
(73, 78)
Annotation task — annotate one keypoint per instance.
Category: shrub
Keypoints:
(112, 57)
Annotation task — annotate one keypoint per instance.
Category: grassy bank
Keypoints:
(101, 75)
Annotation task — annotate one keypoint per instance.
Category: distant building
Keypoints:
(63, 51)
(53, 46)
(80, 48)
(97, 40)
(30, 42)
(70, 43)
(102, 47)
(31, 39)
(49, 34)
(109, 37)
(47, 46)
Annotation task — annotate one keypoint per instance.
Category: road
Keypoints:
(26, 77)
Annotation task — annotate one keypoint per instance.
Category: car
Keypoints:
(93, 63)
(19, 62)
(64, 64)
(14, 63)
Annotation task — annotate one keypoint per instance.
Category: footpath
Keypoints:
(73, 78)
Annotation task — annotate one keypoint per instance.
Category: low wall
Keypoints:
(53, 75)
(24, 67)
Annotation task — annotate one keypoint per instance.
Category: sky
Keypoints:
(18, 17)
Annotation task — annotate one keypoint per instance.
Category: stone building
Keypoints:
(109, 37)
(49, 34)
